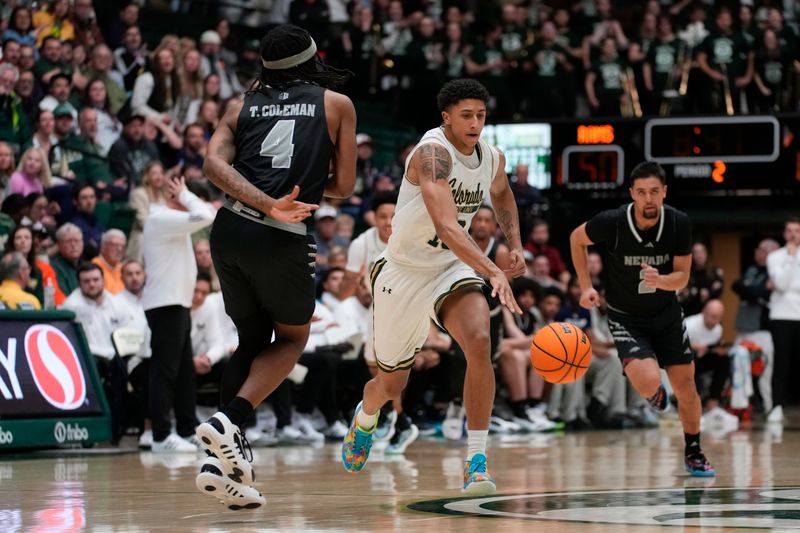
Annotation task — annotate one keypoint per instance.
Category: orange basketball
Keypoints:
(561, 352)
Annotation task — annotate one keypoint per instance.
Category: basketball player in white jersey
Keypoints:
(432, 269)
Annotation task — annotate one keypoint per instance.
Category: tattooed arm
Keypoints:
(505, 208)
(219, 158)
(430, 169)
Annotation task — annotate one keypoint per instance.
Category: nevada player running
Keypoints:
(648, 257)
(276, 153)
(432, 269)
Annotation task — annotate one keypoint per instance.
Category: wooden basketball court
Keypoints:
(583, 482)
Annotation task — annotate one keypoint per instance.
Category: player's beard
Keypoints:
(650, 212)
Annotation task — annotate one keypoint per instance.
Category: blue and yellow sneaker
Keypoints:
(356, 445)
(697, 465)
(477, 481)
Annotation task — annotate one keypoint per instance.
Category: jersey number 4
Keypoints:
(644, 289)
(436, 243)
(279, 145)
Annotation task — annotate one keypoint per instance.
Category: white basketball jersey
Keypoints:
(364, 250)
(414, 241)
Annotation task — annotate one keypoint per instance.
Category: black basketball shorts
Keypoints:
(662, 336)
(263, 268)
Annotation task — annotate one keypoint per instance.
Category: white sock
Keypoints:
(476, 442)
(367, 422)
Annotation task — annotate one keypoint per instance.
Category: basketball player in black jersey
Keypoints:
(648, 258)
(271, 154)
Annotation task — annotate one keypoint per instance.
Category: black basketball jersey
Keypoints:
(627, 247)
(282, 140)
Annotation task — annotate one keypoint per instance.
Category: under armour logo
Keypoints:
(649, 245)
(387, 291)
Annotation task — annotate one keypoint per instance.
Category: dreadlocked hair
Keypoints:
(285, 41)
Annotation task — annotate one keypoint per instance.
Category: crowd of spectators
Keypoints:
(545, 59)
(95, 122)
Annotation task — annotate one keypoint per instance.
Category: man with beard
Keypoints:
(131, 153)
(101, 314)
(648, 258)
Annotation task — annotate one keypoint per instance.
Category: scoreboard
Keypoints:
(746, 155)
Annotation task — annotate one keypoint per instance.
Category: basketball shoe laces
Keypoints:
(476, 466)
(361, 441)
(243, 444)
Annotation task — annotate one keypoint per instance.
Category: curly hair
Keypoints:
(456, 90)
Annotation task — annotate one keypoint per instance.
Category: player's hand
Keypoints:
(502, 290)
(202, 364)
(287, 209)
(517, 266)
(589, 298)
(651, 276)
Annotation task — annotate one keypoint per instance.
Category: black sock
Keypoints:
(238, 410)
(518, 408)
(402, 424)
(692, 444)
(532, 402)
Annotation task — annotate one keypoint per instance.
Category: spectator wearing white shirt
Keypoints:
(361, 256)
(139, 365)
(208, 343)
(363, 252)
(354, 312)
(97, 311)
(332, 288)
(100, 314)
(167, 299)
(322, 356)
(705, 336)
(783, 266)
(133, 279)
(230, 335)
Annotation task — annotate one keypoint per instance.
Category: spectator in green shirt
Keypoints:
(50, 63)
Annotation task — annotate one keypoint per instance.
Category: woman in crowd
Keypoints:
(32, 175)
(109, 127)
(705, 282)
(41, 211)
(192, 85)
(54, 19)
(152, 191)
(21, 240)
(157, 93)
(20, 27)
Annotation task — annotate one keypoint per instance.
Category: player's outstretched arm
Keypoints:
(219, 157)
(430, 167)
(579, 243)
(343, 180)
(508, 218)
